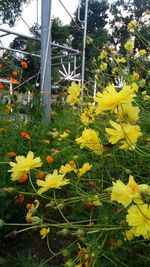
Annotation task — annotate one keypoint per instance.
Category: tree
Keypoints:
(124, 11)
(10, 10)
(97, 19)
(60, 35)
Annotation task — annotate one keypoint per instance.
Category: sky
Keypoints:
(30, 16)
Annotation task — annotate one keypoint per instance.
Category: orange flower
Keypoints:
(19, 199)
(49, 159)
(24, 64)
(29, 205)
(1, 66)
(15, 73)
(9, 107)
(40, 175)
(2, 130)
(1, 86)
(68, 131)
(26, 135)
(11, 154)
(23, 179)
(14, 81)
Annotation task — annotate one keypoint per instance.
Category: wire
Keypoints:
(29, 79)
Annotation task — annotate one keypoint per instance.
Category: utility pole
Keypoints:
(46, 58)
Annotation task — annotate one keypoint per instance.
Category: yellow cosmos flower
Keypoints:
(129, 46)
(129, 234)
(84, 169)
(109, 99)
(125, 194)
(88, 114)
(68, 167)
(74, 93)
(142, 52)
(44, 232)
(135, 76)
(24, 165)
(96, 201)
(121, 60)
(142, 83)
(103, 66)
(125, 134)
(127, 113)
(53, 180)
(63, 136)
(102, 55)
(138, 218)
(90, 140)
(132, 25)
(135, 87)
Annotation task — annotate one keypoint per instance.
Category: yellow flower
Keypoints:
(145, 95)
(109, 99)
(129, 234)
(90, 140)
(32, 209)
(129, 45)
(62, 136)
(142, 83)
(121, 60)
(125, 194)
(138, 218)
(127, 113)
(68, 167)
(53, 180)
(103, 66)
(135, 76)
(85, 168)
(142, 52)
(44, 232)
(115, 69)
(96, 201)
(135, 87)
(88, 114)
(74, 93)
(125, 134)
(102, 55)
(132, 24)
(24, 165)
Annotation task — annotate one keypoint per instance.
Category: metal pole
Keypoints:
(19, 34)
(46, 58)
(19, 51)
(84, 46)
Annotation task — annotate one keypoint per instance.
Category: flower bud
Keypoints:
(2, 223)
(64, 232)
(69, 263)
(9, 190)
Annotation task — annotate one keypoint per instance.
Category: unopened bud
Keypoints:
(2, 223)
(64, 232)
(70, 263)
(79, 233)
(9, 190)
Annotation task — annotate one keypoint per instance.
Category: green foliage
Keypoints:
(10, 10)
(124, 11)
